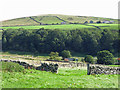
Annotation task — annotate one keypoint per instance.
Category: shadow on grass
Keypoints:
(74, 54)
(25, 53)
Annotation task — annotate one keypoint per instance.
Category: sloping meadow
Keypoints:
(65, 78)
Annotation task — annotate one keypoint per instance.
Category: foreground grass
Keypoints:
(66, 78)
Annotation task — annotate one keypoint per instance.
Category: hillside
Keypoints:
(52, 19)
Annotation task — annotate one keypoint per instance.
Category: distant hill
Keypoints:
(53, 19)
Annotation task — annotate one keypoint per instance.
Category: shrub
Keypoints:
(89, 59)
(65, 54)
(12, 67)
(54, 55)
(105, 57)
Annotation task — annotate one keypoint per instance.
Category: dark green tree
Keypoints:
(105, 57)
(53, 55)
(87, 41)
(89, 59)
(106, 40)
(77, 43)
(65, 54)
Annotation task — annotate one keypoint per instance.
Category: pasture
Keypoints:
(68, 77)
(65, 78)
(52, 19)
(60, 27)
(67, 26)
(107, 26)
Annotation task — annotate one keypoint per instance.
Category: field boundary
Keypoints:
(102, 69)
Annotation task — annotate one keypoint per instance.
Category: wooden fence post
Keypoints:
(88, 69)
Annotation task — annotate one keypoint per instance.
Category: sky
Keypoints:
(11, 9)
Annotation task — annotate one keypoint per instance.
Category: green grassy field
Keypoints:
(47, 19)
(82, 19)
(53, 18)
(67, 27)
(114, 65)
(66, 78)
(19, 21)
(107, 26)
(61, 27)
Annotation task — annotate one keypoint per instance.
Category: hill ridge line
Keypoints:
(53, 20)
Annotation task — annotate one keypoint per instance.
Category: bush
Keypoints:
(54, 55)
(89, 59)
(65, 54)
(12, 67)
(105, 57)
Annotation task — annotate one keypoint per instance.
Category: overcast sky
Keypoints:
(20, 8)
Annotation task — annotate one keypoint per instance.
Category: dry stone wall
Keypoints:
(102, 69)
(48, 67)
(44, 66)
(61, 64)
(71, 65)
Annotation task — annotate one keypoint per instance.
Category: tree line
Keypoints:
(88, 41)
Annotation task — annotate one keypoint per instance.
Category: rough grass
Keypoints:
(47, 19)
(82, 19)
(52, 18)
(16, 55)
(19, 21)
(66, 78)
(12, 67)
